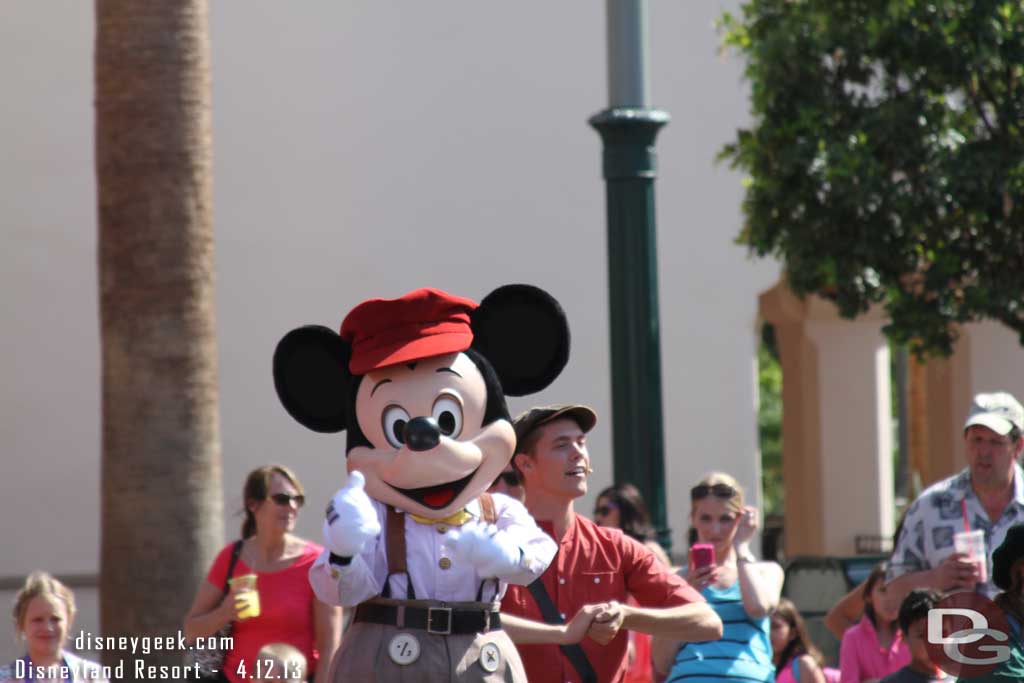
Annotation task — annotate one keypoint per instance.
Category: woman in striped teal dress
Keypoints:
(740, 589)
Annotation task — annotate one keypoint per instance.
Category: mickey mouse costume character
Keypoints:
(418, 384)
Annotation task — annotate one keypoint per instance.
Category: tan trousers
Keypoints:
(364, 658)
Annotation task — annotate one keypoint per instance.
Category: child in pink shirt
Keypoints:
(874, 647)
(795, 657)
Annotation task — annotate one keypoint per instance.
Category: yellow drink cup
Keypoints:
(244, 589)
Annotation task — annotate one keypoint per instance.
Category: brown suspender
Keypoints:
(487, 508)
(396, 541)
(396, 553)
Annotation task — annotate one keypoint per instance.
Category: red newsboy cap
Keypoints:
(423, 323)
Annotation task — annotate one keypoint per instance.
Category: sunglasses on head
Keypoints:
(605, 510)
(285, 499)
(509, 478)
(717, 490)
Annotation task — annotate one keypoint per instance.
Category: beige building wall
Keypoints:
(837, 424)
(365, 149)
(856, 431)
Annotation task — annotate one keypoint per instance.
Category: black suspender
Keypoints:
(574, 653)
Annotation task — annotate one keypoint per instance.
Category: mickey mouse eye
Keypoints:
(448, 413)
(394, 420)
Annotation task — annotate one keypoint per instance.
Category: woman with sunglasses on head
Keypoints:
(287, 610)
(741, 590)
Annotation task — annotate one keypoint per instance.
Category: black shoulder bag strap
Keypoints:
(235, 552)
(574, 653)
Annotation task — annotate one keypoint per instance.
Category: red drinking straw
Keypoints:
(963, 508)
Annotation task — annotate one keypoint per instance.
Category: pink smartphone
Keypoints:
(702, 555)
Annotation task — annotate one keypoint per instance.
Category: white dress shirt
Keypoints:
(436, 574)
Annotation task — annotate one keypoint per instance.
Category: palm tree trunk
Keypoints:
(161, 474)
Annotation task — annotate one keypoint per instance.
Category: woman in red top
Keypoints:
(288, 611)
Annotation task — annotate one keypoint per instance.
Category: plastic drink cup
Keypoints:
(972, 544)
(246, 590)
(245, 582)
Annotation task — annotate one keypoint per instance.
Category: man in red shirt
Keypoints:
(594, 565)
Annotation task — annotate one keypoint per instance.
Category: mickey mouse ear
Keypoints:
(312, 378)
(523, 332)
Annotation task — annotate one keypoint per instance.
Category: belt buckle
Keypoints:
(444, 630)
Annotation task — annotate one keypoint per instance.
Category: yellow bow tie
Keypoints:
(457, 519)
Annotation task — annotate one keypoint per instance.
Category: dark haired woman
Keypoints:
(288, 611)
(873, 648)
(622, 506)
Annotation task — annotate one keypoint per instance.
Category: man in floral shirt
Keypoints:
(989, 492)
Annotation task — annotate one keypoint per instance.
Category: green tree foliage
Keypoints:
(886, 159)
(769, 421)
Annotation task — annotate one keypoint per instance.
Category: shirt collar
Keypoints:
(1018, 485)
(961, 485)
(868, 626)
(458, 518)
(548, 527)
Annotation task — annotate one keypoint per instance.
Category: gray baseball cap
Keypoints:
(999, 411)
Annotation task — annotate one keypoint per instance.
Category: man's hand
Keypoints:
(607, 623)
(577, 627)
(956, 573)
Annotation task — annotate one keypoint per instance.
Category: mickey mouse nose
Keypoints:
(422, 434)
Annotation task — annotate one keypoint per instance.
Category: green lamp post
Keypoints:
(628, 128)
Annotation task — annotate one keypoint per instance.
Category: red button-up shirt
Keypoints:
(594, 564)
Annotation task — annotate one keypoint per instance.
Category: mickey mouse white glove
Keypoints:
(351, 518)
(491, 552)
